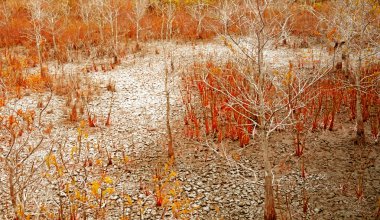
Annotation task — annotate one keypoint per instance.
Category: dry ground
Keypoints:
(224, 181)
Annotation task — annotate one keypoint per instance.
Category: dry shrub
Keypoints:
(77, 90)
(37, 83)
(214, 116)
(74, 114)
(40, 103)
(111, 87)
(66, 84)
(2, 101)
(136, 48)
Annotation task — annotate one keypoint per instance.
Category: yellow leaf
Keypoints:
(77, 194)
(60, 171)
(51, 160)
(47, 161)
(95, 188)
(129, 199)
(175, 206)
(108, 191)
(67, 188)
(165, 201)
(289, 77)
(172, 174)
(98, 162)
(73, 151)
(47, 175)
(126, 159)
(108, 180)
(172, 192)
(20, 211)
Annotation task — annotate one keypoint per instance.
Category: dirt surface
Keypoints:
(222, 181)
(226, 181)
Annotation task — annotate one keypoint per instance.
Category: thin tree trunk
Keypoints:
(168, 127)
(360, 137)
(199, 28)
(40, 59)
(225, 27)
(269, 210)
(162, 25)
(137, 30)
(12, 190)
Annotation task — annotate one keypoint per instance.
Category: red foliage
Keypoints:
(226, 121)
(91, 121)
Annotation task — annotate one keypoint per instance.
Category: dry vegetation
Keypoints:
(289, 105)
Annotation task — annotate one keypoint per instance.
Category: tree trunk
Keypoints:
(225, 28)
(168, 128)
(345, 60)
(137, 30)
(12, 190)
(162, 25)
(360, 137)
(269, 211)
(199, 28)
(42, 72)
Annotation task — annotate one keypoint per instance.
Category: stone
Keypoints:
(206, 208)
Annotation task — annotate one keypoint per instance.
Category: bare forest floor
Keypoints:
(221, 181)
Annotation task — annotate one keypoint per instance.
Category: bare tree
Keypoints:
(6, 10)
(139, 10)
(85, 13)
(111, 13)
(56, 19)
(37, 18)
(225, 9)
(198, 10)
(105, 13)
(267, 103)
(357, 24)
(22, 141)
(168, 10)
(99, 17)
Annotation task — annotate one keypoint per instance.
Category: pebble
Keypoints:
(206, 208)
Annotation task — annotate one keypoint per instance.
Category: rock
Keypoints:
(206, 208)
(187, 188)
(218, 199)
(215, 187)
(153, 212)
(192, 195)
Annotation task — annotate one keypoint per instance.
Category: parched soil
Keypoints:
(222, 181)
(227, 181)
